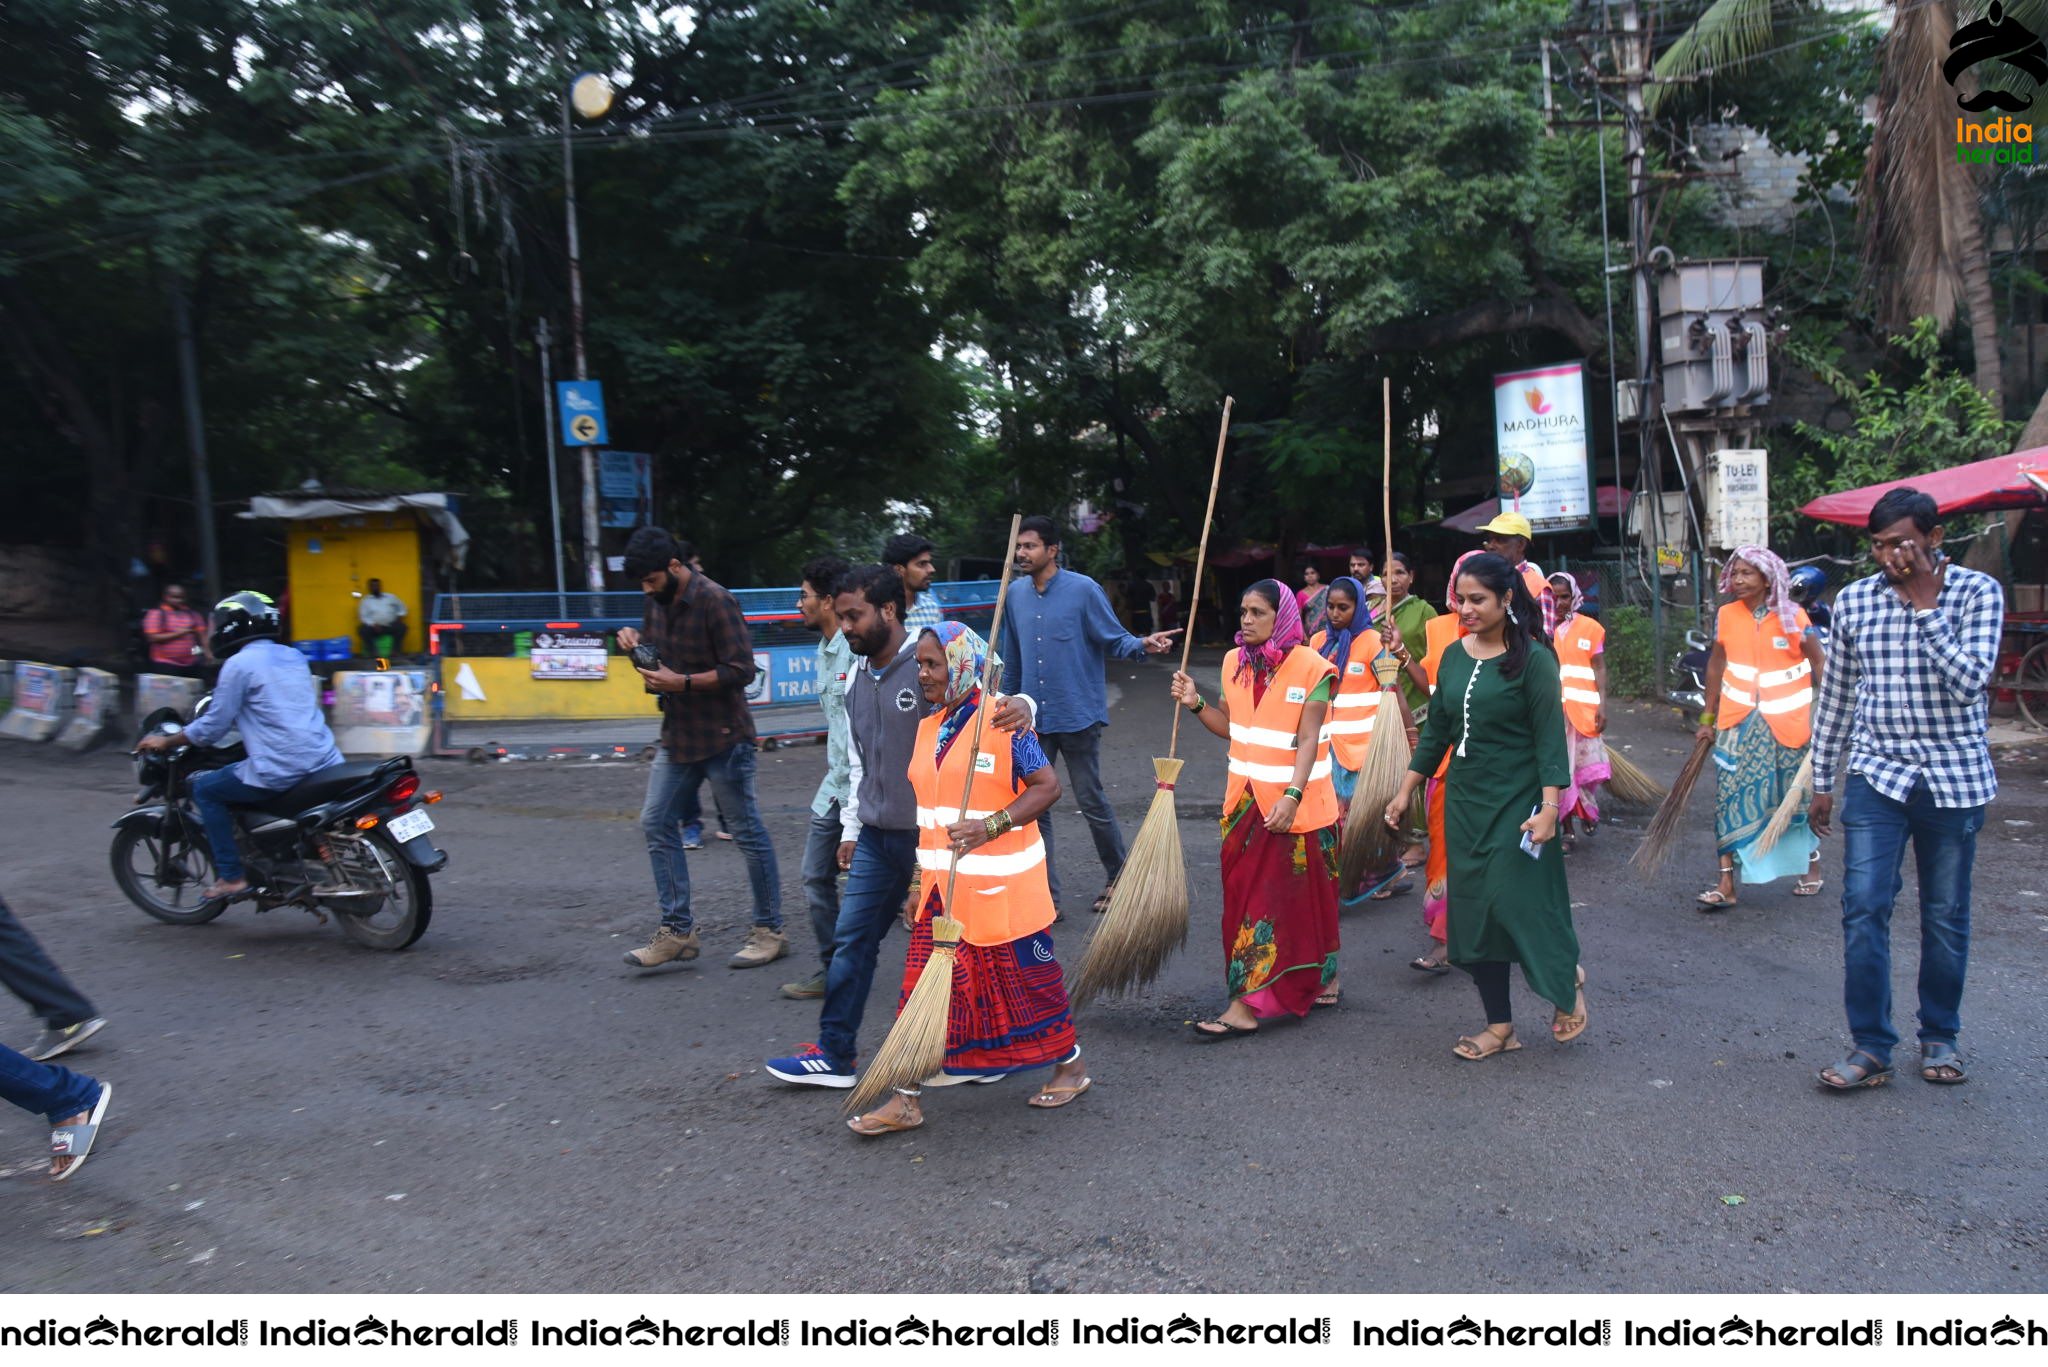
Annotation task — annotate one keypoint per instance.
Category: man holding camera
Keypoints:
(701, 663)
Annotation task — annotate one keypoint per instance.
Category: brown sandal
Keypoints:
(1067, 1096)
(1573, 1023)
(1485, 1044)
(871, 1126)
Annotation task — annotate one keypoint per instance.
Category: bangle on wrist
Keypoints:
(1291, 791)
(1552, 805)
(1197, 706)
(1706, 719)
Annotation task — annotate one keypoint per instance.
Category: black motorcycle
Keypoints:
(353, 839)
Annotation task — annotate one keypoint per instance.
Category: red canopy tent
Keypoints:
(2001, 484)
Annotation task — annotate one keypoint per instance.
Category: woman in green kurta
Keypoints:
(1499, 713)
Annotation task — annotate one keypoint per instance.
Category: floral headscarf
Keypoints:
(1337, 648)
(1574, 597)
(1259, 662)
(964, 651)
(1777, 582)
(1451, 589)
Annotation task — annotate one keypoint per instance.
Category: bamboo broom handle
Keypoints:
(988, 670)
(1187, 640)
(1386, 469)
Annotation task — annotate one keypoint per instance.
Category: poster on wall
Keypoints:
(1539, 421)
(569, 655)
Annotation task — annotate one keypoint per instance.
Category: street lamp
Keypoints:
(589, 95)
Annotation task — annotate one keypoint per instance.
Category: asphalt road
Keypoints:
(507, 1107)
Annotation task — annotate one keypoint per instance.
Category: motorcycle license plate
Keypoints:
(409, 826)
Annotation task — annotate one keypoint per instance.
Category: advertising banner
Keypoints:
(569, 655)
(1539, 421)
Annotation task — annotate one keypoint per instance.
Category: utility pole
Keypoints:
(195, 441)
(1633, 53)
(547, 398)
(593, 549)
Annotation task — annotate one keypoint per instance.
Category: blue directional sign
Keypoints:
(582, 406)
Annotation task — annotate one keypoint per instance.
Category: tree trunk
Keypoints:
(2035, 433)
(1973, 264)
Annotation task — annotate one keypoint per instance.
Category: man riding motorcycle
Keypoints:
(267, 692)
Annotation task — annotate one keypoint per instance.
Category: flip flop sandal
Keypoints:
(1102, 902)
(1484, 1045)
(1395, 889)
(1223, 1030)
(1853, 1075)
(75, 1141)
(1327, 999)
(1067, 1095)
(1712, 900)
(1805, 888)
(1434, 967)
(1936, 1055)
(1574, 1022)
(872, 1127)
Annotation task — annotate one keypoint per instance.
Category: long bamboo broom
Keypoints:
(1629, 785)
(1368, 843)
(915, 1047)
(1147, 916)
(1663, 832)
(1781, 820)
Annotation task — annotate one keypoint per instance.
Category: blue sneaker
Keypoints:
(693, 837)
(809, 1067)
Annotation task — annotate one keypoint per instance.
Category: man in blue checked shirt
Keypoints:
(1058, 630)
(828, 847)
(1912, 651)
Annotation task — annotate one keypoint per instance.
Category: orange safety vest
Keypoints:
(1438, 633)
(1766, 669)
(1001, 893)
(1533, 580)
(1262, 748)
(1579, 639)
(1356, 706)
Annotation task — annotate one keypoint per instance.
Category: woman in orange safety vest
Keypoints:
(1279, 817)
(1352, 643)
(1581, 645)
(1761, 681)
(1009, 1012)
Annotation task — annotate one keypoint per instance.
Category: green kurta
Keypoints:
(1503, 904)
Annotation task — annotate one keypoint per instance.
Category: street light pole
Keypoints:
(593, 550)
(547, 398)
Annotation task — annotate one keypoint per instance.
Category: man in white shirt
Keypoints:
(380, 614)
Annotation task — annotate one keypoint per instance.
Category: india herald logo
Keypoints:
(2001, 38)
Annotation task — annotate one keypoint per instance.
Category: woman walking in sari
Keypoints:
(1760, 683)
(1411, 615)
(1499, 717)
(1440, 631)
(1581, 644)
(1009, 1008)
(1279, 817)
(1352, 645)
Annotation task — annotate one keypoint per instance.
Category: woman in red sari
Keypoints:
(1279, 817)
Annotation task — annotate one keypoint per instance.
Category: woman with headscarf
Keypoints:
(1761, 679)
(1351, 643)
(1581, 644)
(1279, 817)
(1009, 1007)
(1499, 719)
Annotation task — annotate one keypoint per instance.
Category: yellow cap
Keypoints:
(1509, 524)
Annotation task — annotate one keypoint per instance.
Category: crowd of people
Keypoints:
(1501, 698)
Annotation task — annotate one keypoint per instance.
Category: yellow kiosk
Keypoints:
(337, 542)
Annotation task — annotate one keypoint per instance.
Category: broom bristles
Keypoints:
(1663, 832)
(1368, 843)
(1629, 785)
(1147, 916)
(1781, 820)
(916, 1044)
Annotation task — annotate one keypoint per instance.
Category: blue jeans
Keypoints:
(53, 1093)
(26, 971)
(211, 794)
(1874, 834)
(1083, 753)
(883, 863)
(671, 794)
(821, 879)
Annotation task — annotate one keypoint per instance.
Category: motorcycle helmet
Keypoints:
(241, 618)
(1806, 582)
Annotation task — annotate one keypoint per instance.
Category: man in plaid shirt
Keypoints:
(707, 734)
(1912, 650)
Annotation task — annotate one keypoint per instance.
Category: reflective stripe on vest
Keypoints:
(1579, 639)
(1760, 674)
(1000, 893)
(1262, 748)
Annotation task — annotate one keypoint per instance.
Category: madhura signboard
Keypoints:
(1539, 425)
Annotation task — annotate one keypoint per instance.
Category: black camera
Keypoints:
(645, 657)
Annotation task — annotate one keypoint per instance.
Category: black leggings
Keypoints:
(1491, 977)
